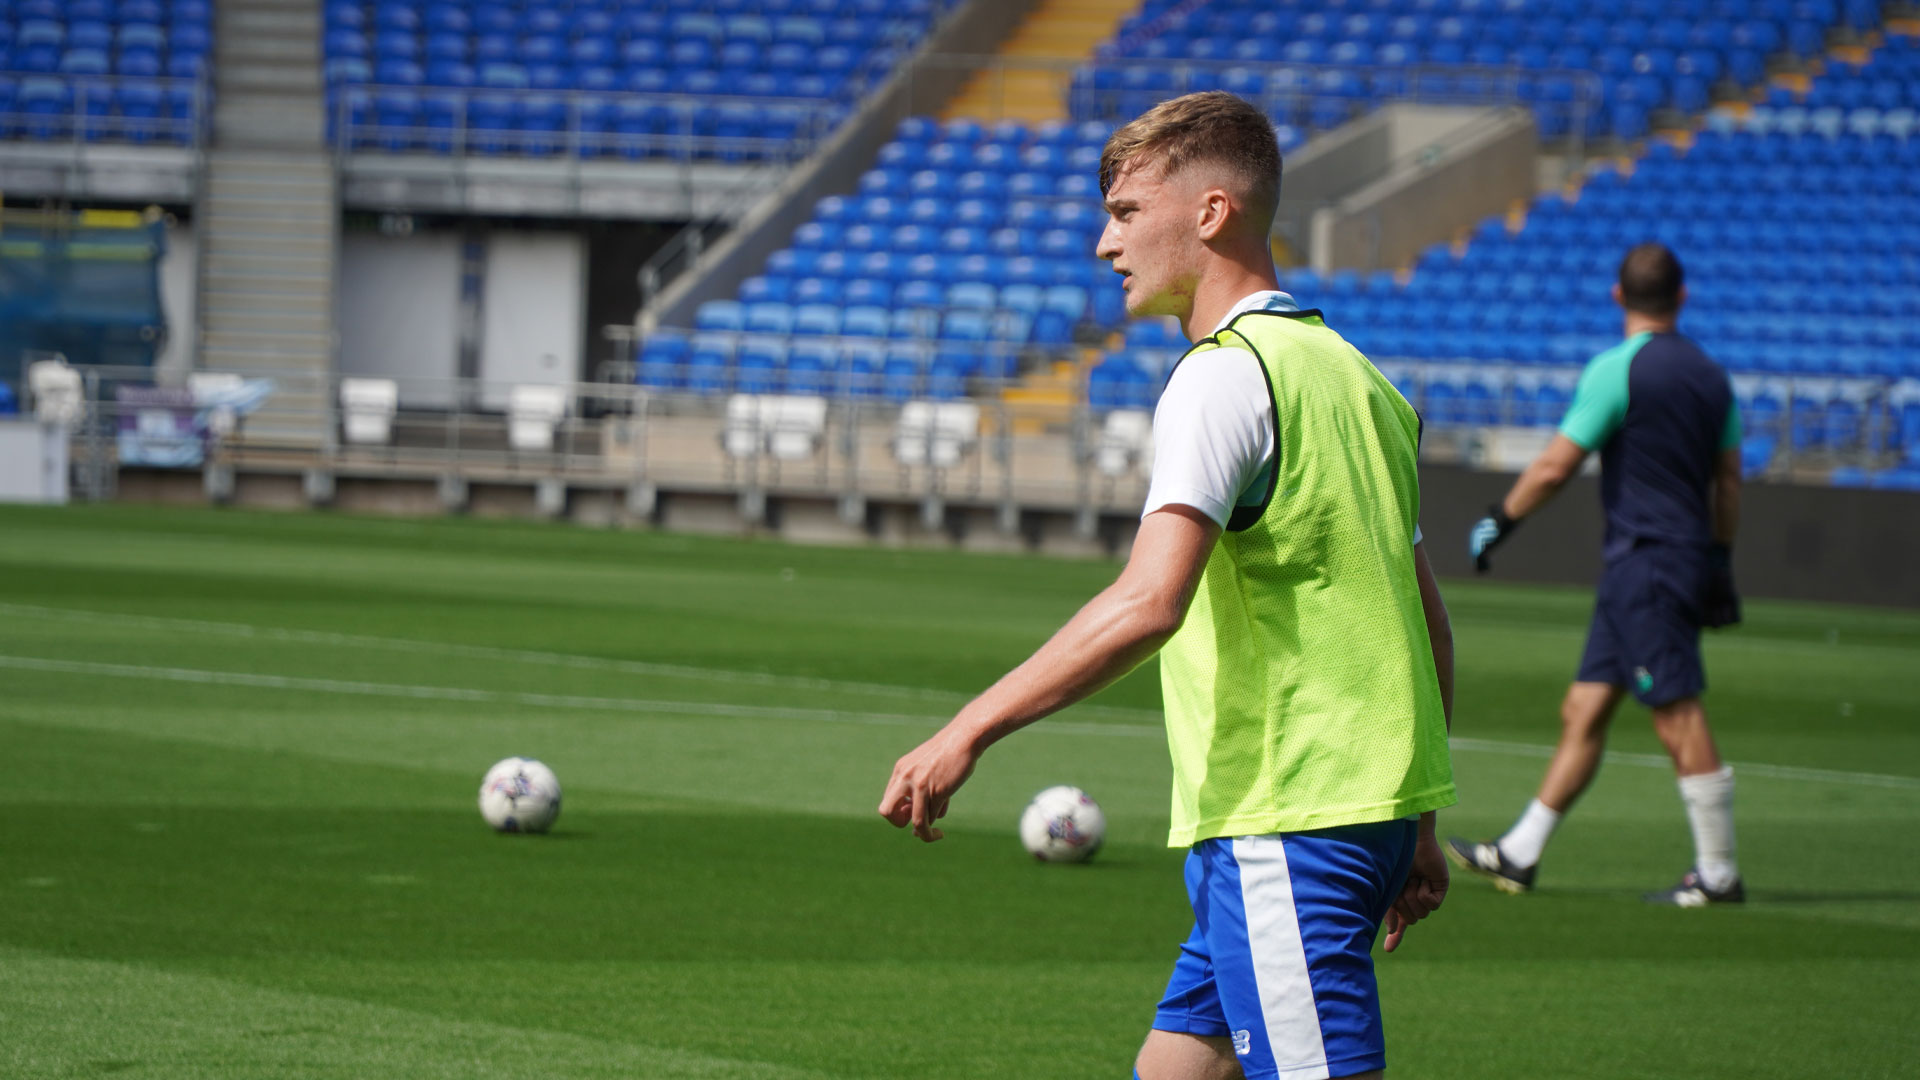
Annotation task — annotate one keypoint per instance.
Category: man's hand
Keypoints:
(1722, 606)
(1426, 886)
(1489, 533)
(924, 781)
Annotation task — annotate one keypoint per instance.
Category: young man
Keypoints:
(1667, 427)
(1306, 660)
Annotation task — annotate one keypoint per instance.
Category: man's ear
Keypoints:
(1216, 211)
(1619, 300)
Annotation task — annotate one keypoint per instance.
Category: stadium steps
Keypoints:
(1044, 401)
(269, 218)
(1056, 30)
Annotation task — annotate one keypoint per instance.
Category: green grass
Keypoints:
(240, 838)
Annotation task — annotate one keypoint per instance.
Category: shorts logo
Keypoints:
(1243, 1042)
(1642, 679)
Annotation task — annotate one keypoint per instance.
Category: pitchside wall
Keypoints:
(1796, 542)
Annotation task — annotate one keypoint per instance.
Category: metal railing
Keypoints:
(578, 124)
(89, 116)
(684, 248)
(861, 439)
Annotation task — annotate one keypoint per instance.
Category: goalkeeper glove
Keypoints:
(1489, 533)
(1722, 606)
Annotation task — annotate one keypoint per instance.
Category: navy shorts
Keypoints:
(1646, 625)
(1280, 959)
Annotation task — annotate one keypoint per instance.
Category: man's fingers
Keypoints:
(893, 804)
(1395, 928)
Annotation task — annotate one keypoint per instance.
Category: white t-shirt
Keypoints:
(1213, 430)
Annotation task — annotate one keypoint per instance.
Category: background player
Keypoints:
(1667, 427)
(1277, 563)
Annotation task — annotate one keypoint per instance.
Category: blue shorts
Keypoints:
(1646, 625)
(1281, 955)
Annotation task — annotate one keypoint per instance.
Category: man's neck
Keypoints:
(1217, 291)
(1649, 324)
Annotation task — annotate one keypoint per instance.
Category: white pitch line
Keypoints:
(529, 656)
(837, 716)
(1658, 761)
(512, 697)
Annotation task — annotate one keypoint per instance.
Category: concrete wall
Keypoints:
(1802, 543)
(399, 312)
(179, 284)
(533, 311)
(974, 28)
(1449, 168)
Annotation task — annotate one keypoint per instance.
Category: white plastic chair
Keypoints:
(795, 426)
(741, 436)
(59, 396)
(367, 407)
(935, 433)
(532, 414)
(1126, 439)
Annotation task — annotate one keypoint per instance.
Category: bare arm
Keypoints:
(1122, 626)
(1439, 629)
(1726, 497)
(1545, 477)
(1427, 880)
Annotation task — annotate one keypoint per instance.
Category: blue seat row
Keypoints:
(710, 363)
(822, 50)
(48, 107)
(1674, 56)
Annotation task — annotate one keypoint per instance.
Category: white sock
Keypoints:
(1709, 799)
(1528, 838)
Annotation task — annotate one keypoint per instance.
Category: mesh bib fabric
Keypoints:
(1301, 692)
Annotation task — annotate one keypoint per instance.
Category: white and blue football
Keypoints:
(520, 795)
(1063, 824)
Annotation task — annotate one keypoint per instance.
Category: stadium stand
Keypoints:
(1759, 203)
(602, 78)
(1651, 54)
(104, 70)
(963, 225)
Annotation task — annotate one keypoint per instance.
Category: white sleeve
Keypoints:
(1212, 433)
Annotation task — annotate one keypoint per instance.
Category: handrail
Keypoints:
(79, 127)
(685, 247)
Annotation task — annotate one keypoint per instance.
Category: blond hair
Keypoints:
(1214, 128)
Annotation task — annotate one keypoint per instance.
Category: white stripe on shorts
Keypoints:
(1279, 958)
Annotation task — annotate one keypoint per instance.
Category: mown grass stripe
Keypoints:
(839, 716)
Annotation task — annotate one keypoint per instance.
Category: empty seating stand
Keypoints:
(964, 247)
(607, 78)
(1314, 66)
(104, 70)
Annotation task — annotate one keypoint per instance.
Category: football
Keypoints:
(520, 795)
(1063, 824)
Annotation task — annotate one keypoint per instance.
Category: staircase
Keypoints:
(1056, 30)
(1044, 401)
(268, 219)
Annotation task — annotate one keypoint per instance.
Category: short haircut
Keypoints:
(1215, 128)
(1650, 280)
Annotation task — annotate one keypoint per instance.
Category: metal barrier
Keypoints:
(180, 110)
(852, 443)
(674, 128)
(855, 445)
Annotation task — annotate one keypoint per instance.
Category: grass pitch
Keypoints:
(241, 838)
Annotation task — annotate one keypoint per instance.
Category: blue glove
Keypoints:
(1489, 533)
